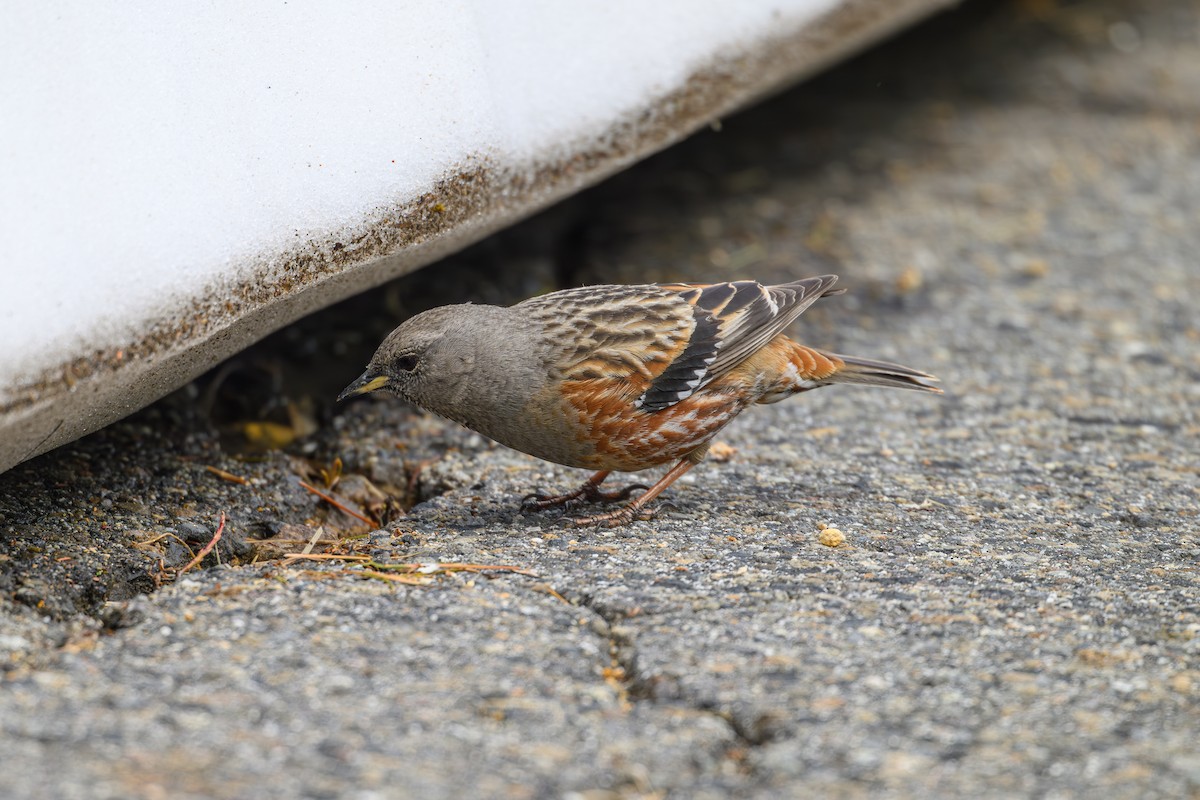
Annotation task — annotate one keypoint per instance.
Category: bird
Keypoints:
(616, 378)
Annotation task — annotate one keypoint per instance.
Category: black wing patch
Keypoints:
(685, 374)
(690, 370)
(733, 321)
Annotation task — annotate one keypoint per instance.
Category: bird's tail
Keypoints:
(869, 372)
(801, 369)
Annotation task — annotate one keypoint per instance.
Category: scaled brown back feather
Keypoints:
(685, 335)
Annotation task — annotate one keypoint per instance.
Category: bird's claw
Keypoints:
(588, 493)
(536, 501)
(622, 516)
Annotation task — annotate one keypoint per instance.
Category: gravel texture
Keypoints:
(1011, 195)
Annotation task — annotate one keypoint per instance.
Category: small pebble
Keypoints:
(908, 281)
(1035, 268)
(831, 537)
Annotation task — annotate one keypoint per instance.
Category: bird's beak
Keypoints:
(367, 382)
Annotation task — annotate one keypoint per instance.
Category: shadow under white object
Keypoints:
(180, 181)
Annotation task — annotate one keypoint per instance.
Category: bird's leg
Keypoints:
(637, 508)
(589, 492)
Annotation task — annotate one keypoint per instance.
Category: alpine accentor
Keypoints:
(616, 377)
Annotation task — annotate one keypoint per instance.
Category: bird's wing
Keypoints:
(664, 342)
(622, 337)
(749, 315)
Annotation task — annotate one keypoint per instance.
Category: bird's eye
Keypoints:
(406, 363)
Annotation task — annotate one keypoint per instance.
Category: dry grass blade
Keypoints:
(227, 476)
(407, 580)
(337, 504)
(290, 557)
(370, 565)
(450, 566)
(316, 537)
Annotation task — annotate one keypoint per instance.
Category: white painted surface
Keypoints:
(174, 177)
(149, 149)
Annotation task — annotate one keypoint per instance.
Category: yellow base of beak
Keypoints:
(365, 384)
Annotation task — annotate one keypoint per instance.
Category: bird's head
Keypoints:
(406, 358)
(424, 359)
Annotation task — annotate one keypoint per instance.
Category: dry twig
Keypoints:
(338, 504)
(207, 548)
(227, 476)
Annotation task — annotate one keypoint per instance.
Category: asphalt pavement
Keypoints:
(1011, 194)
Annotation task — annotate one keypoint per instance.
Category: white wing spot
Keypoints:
(770, 301)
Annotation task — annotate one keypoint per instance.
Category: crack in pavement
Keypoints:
(750, 727)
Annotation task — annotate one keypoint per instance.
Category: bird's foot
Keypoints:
(588, 493)
(622, 516)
